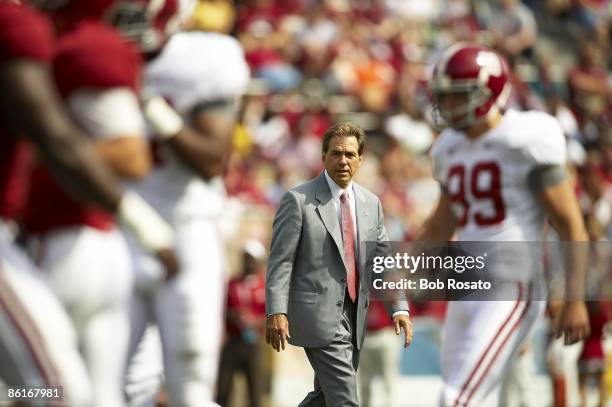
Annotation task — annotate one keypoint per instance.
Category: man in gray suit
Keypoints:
(317, 294)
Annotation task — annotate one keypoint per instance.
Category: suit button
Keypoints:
(339, 303)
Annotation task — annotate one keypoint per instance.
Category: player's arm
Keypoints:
(30, 106)
(441, 224)
(203, 146)
(561, 206)
(128, 156)
(559, 201)
(207, 145)
(562, 209)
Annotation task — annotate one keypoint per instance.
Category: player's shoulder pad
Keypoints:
(440, 150)
(538, 136)
(197, 67)
(24, 33)
(95, 55)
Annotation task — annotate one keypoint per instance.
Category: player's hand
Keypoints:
(403, 322)
(573, 322)
(277, 331)
(168, 259)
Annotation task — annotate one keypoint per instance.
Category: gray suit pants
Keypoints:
(335, 366)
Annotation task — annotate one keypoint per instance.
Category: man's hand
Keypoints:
(277, 331)
(573, 322)
(167, 257)
(403, 321)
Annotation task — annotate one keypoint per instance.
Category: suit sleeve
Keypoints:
(286, 231)
(383, 248)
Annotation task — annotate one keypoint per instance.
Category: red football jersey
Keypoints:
(24, 34)
(93, 56)
(246, 296)
(378, 317)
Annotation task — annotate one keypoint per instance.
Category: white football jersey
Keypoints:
(487, 178)
(194, 67)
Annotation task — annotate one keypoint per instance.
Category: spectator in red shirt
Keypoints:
(592, 360)
(245, 316)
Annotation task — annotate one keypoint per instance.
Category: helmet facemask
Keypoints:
(138, 21)
(464, 115)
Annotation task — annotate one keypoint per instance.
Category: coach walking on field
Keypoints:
(316, 297)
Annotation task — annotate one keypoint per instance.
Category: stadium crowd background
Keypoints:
(367, 60)
(317, 61)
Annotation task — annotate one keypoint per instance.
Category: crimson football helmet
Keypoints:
(476, 71)
(149, 23)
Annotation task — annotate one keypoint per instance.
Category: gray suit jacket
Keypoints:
(306, 277)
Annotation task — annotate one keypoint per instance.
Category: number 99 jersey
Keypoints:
(487, 179)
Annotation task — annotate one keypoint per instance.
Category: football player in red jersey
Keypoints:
(32, 337)
(502, 175)
(97, 73)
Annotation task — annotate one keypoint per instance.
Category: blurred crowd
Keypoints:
(318, 61)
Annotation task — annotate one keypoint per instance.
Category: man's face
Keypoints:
(342, 159)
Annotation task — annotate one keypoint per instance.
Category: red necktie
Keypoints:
(348, 237)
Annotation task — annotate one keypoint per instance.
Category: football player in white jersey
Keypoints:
(198, 79)
(502, 175)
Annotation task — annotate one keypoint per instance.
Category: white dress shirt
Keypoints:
(336, 192)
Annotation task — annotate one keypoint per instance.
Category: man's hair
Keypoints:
(345, 129)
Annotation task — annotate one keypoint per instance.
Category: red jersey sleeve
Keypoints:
(24, 34)
(95, 56)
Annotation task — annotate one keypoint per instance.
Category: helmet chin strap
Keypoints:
(471, 120)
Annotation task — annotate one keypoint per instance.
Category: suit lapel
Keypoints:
(362, 212)
(328, 213)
